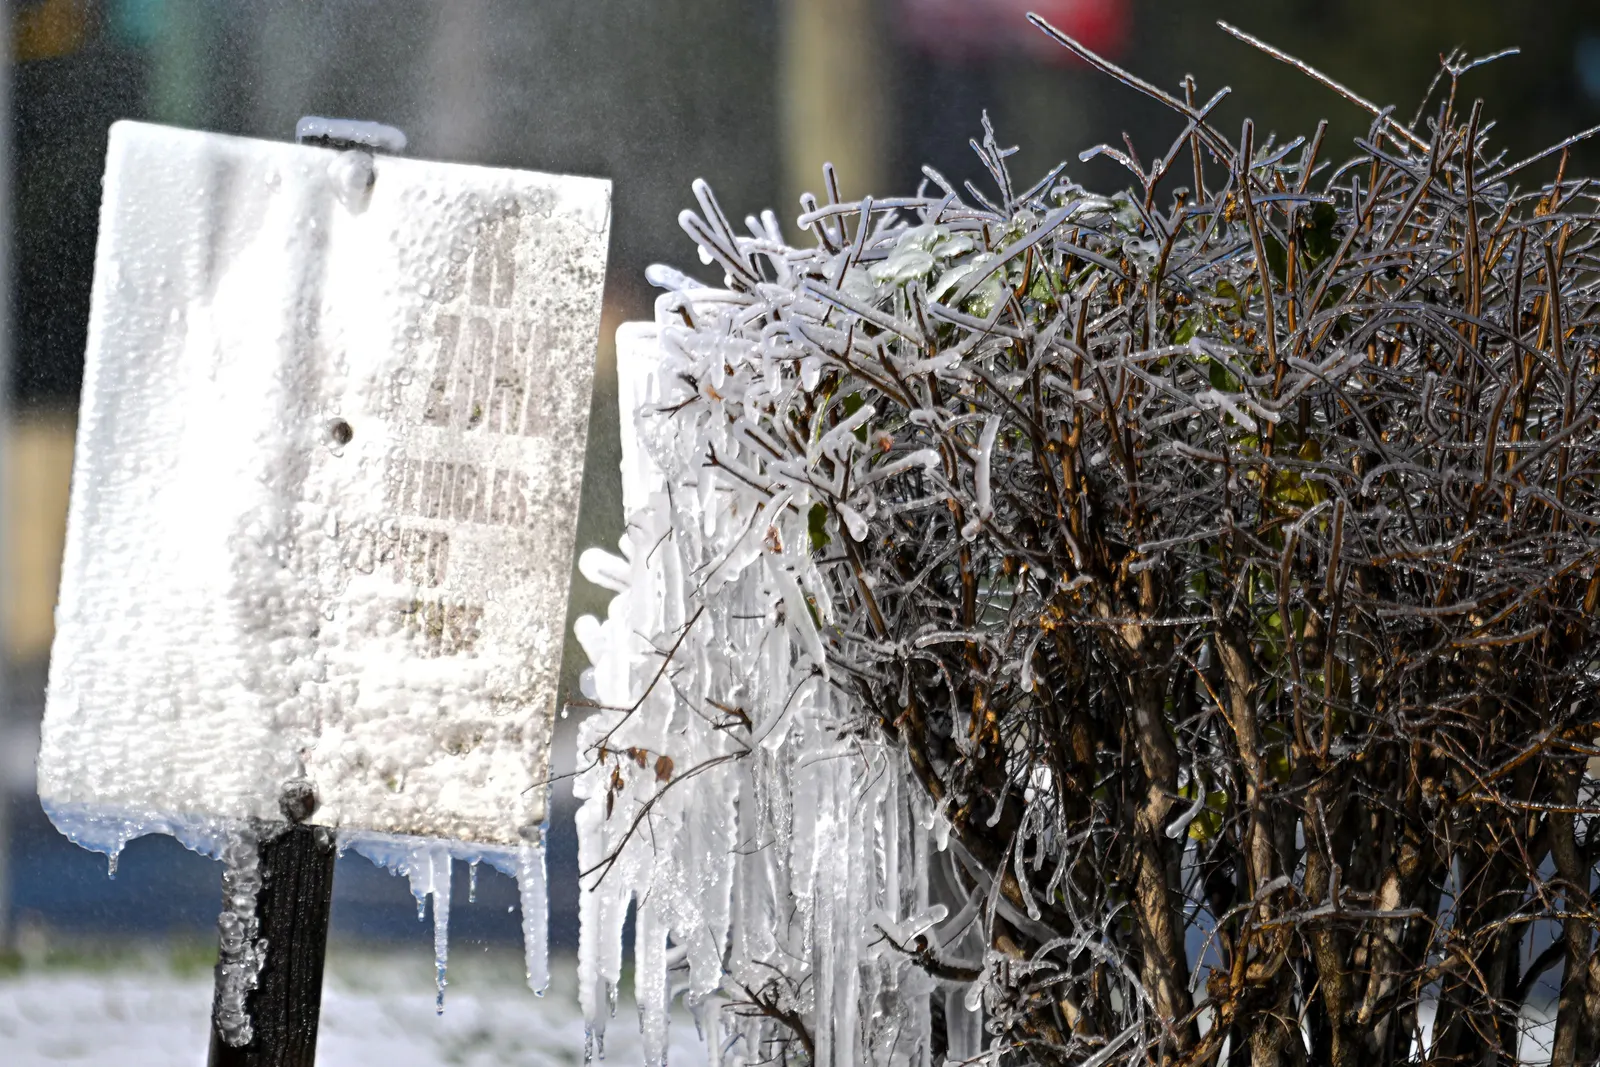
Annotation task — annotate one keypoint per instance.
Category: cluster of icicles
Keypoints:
(427, 864)
(777, 863)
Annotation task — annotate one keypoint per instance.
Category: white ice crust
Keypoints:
(324, 500)
(325, 489)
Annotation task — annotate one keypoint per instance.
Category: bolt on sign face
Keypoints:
(325, 490)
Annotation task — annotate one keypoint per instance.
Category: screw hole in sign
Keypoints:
(340, 432)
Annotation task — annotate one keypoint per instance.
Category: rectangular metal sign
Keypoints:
(326, 487)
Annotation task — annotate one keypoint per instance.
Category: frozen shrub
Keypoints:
(1160, 626)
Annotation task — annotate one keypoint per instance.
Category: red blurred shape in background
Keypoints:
(983, 29)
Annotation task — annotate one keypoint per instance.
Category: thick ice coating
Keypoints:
(325, 494)
(779, 867)
(325, 488)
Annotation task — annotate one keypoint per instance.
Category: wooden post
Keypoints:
(295, 901)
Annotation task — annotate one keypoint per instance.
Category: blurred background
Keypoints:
(753, 95)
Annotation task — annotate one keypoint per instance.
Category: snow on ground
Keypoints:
(377, 1011)
(374, 1012)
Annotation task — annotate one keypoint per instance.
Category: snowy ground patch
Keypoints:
(377, 1010)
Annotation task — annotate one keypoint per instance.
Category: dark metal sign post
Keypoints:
(295, 900)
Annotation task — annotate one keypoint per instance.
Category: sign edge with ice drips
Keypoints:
(194, 795)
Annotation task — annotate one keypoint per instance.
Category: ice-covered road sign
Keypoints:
(326, 487)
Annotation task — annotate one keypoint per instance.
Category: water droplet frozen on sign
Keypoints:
(352, 175)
